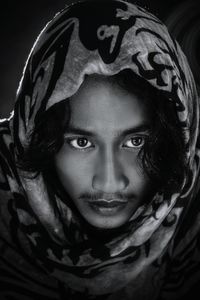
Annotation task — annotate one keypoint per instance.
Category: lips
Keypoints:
(107, 207)
(108, 203)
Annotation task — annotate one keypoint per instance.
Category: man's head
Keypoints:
(111, 146)
(98, 163)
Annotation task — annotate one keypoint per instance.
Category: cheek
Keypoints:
(138, 180)
(74, 172)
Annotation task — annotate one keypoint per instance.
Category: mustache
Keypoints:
(106, 196)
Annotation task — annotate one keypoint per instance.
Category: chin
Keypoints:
(107, 223)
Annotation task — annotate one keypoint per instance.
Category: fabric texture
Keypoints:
(84, 39)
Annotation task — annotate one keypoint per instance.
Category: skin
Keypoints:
(99, 159)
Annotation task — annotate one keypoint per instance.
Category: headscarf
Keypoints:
(98, 37)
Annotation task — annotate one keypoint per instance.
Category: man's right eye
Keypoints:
(80, 143)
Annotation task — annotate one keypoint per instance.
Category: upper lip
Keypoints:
(110, 202)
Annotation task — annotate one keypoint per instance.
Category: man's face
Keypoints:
(98, 164)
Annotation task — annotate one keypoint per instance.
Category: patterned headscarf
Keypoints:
(99, 37)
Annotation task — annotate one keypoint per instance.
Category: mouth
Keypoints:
(107, 207)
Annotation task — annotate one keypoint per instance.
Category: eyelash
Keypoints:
(70, 140)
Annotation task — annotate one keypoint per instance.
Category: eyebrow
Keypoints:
(90, 133)
(135, 129)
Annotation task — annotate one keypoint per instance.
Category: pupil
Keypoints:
(82, 142)
(136, 141)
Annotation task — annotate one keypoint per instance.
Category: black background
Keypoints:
(21, 21)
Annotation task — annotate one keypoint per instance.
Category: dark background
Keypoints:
(21, 21)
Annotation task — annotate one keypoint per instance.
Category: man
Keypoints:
(100, 162)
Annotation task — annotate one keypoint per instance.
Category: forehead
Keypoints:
(101, 104)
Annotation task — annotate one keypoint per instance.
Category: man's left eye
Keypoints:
(80, 143)
(134, 142)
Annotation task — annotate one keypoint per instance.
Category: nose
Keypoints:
(109, 176)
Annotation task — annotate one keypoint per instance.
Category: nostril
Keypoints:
(110, 185)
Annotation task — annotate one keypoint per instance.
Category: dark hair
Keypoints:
(162, 157)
